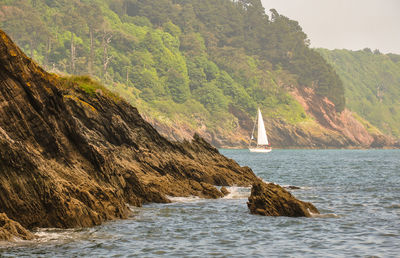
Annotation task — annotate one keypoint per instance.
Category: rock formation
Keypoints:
(10, 230)
(337, 129)
(273, 200)
(69, 158)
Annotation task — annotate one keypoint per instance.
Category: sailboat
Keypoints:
(262, 140)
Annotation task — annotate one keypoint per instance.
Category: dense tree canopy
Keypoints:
(178, 57)
(372, 83)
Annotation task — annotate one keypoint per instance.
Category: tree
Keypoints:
(177, 85)
(25, 24)
(212, 98)
(94, 21)
(73, 21)
(106, 40)
(159, 11)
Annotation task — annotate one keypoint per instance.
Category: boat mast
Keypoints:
(254, 127)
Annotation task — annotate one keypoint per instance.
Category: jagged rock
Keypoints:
(273, 200)
(74, 159)
(224, 191)
(210, 190)
(9, 230)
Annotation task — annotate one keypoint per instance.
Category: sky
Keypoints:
(349, 24)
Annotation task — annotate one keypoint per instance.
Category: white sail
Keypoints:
(261, 134)
(262, 140)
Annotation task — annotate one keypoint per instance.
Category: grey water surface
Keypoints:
(357, 192)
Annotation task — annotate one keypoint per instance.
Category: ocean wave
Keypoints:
(54, 234)
(237, 192)
(325, 215)
(43, 235)
(185, 199)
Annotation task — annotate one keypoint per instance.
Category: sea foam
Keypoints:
(326, 215)
(184, 199)
(237, 192)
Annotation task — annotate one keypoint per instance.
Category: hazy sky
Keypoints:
(350, 24)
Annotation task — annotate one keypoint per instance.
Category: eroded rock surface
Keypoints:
(73, 159)
(273, 200)
(10, 230)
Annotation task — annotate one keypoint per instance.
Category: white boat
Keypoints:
(262, 140)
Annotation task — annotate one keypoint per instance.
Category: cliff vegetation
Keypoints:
(372, 85)
(72, 154)
(198, 65)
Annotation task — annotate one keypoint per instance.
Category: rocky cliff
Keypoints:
(329, 128)
(71, 158)
(75, 156)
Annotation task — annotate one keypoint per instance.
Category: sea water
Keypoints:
(356, 191)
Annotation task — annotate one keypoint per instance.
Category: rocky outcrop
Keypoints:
(11, 230)
(69, 158)
(75, 158)
(273, 200)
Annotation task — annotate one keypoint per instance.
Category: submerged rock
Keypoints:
(71, 158)
(10, 230)
(273, 200)
(292, 187)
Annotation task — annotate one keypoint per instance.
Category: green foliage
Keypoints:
(370, 128)
(212, 98)
(88, 85)
(148, 94)
(372, 85)
(172, 29)
(178, 85)
(148, 78)
(179, 60)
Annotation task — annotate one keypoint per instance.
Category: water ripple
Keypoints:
(357, 192)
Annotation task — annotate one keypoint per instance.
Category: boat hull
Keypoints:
(259, 150)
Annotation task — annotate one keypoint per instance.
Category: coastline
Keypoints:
(77, 154)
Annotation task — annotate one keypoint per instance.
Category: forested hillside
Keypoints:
(192, 65)
(372, 85)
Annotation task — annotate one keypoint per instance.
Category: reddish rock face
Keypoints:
(343, 129)
(73, 159)
(274, 200)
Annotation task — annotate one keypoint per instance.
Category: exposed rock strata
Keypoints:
(11, 230)
(73, 159)
(273, 200)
